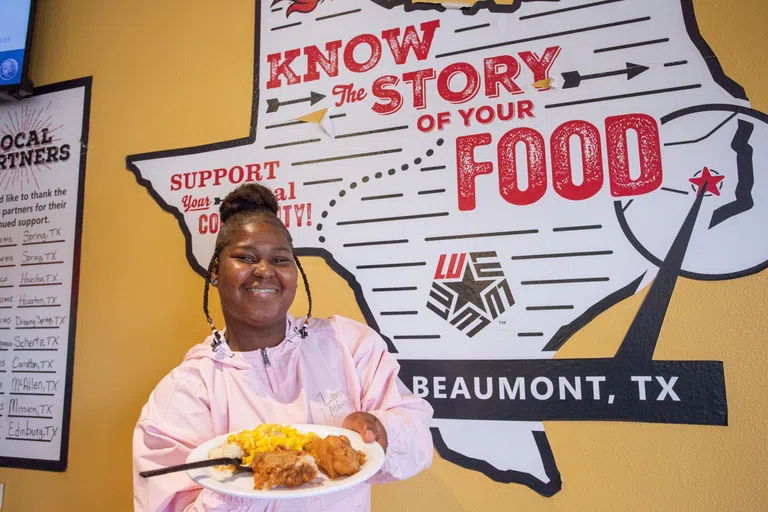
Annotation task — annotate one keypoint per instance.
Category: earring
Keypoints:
(214, 282)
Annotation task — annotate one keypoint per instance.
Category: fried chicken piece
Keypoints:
(282, 467)
(335, 456)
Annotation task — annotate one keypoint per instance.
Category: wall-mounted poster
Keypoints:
(488, 180)
(42, 178)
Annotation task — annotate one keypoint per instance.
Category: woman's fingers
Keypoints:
(368, 426)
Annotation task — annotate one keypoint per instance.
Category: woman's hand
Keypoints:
(368, 426)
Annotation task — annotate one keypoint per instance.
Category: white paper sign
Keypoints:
(42, 173)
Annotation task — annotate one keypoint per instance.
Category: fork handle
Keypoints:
(224, 461)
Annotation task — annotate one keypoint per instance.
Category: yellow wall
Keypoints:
(154, 88)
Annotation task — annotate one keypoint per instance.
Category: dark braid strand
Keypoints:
(217, 337)
(304, 331)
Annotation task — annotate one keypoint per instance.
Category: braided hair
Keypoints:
(244, 204)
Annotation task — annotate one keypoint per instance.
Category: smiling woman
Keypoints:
(268, 367)
(254, 267)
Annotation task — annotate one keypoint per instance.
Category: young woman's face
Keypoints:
(257, 275)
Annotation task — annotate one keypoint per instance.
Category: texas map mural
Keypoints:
(490, 179)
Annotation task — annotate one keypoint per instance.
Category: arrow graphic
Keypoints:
(274, 104)
(573, 79)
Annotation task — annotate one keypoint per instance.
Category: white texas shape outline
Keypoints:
(598, 36)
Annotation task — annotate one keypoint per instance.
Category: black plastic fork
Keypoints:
(224, 461)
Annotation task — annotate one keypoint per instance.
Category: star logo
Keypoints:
(705, 178)
(470, 290)
(482, 285)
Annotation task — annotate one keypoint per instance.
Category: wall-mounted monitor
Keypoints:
(16, 20)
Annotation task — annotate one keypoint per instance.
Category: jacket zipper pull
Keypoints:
(264, 357)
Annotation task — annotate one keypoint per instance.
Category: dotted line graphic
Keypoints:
(367, 179)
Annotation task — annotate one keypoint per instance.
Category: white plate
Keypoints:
(241, 484)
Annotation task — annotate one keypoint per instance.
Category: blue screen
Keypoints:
(14, 24)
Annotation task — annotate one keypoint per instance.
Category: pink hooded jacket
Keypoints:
(341, 367)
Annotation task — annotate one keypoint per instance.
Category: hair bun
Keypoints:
(250, 197)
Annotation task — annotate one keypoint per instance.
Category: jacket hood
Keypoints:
(225, 356)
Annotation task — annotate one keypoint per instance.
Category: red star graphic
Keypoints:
(712, 180)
